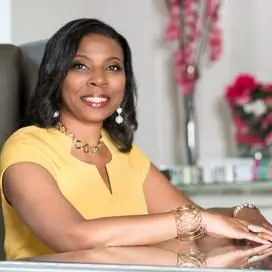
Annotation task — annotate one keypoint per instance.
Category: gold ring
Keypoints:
(255, 228)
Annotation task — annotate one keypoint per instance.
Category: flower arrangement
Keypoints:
(194, 25)
(251, 105)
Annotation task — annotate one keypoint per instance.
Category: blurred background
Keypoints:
(246, 48)
(246, 45)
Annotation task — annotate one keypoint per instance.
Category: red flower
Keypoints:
(266, 121)
(239, 91)
(249, 139)
(240, 124)
(245, 89)
(267, 87)
(268, 139)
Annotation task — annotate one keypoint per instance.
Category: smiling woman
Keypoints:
(90, 68)
(73, 179)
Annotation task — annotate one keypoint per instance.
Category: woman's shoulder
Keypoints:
(30, 135)
(27, 132)
(27, 144)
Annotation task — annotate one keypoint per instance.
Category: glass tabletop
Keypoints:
(205, 254)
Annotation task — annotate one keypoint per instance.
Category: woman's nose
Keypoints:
(97, 79)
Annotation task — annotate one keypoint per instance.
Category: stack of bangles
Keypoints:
(190, 225)
(188, 222)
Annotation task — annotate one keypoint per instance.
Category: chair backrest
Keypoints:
(32, 56)
(18, 75)
(10, 89)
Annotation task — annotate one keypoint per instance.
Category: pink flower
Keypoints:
(172, 32)
(191, 35)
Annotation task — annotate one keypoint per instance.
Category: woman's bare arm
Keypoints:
(167, 197)
(161, 196)
(37, 199)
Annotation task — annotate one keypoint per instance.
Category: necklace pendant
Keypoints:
(86, 148)
(77, 144)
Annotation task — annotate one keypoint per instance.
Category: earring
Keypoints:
(119, 118)
(56, 114)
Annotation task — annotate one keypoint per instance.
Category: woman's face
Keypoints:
(94, 86)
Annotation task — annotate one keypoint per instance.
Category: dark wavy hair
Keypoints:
(59, 52)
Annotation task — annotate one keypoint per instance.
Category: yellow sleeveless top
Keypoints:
(78, 181)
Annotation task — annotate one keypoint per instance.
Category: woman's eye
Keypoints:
(114, 68)
(79, 66)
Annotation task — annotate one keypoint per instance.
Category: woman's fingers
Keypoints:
(256, 250)
(242, 222)
(258, 229)
(267, 228)
(254, 237)
(261, 232)
(266, 231)
(267, 225)
(265, 236)
(259, 257)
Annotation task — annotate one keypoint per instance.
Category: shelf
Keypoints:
(250, 187)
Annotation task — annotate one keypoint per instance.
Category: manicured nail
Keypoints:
(253, 259)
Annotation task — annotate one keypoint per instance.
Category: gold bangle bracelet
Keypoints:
(191, 258)
(188, 222)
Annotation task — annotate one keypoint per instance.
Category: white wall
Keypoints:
(5, 21)
(247, 44)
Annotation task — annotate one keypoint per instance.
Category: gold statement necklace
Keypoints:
(78, 144)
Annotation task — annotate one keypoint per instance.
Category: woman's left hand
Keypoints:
(254, 217)
(218, 225)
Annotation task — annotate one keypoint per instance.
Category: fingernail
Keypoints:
(253, 259)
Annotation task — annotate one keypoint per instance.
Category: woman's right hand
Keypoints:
(218, 225)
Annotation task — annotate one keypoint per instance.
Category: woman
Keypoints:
(73, 179)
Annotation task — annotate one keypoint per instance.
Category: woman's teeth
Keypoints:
(95, 99)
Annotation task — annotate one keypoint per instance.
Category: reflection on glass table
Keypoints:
(205, 254)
